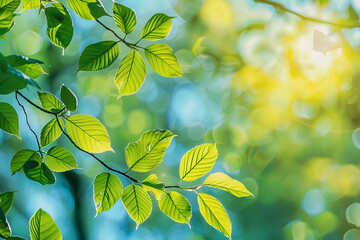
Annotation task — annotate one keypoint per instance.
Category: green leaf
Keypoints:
(214, 213)
(39, 172)
(60, 26)
(124, 17)
(50, 102)
(148, 152)
(107, 191)
(6, 201)
(163, 60)
(98, 56)
(88, 133)
(5, 230)
(137, 203)
(13, 80)
(43, 227)
(153, 185)
(60, 159)
(28, 66)
(15, 238)
(30, 4)
(21, 157)
(88, 9)
(6, 20)
(3, 63)
(9, 121)
(50, 132)
(10, 5)
(68, 98)
(176, 207)
(131, 74)
(197, 162)
(226, 183)
(158, 27)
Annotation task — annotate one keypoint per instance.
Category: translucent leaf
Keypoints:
(158, 27)
(226, 183)
(214, 213)
(124, 17)
(21, 157)
(176, 207)
(30, 4)
(6, 20)
(163, 60)
(152, 184)
(131, 74)
(60, 159)
(28, 66)
(68, 98)
(13, 80)
(39, 172)
(43, 227)
(50, 102)
(5, 230)
(88, 9)
(9, 121)
(6, 201)
(50, 132)
(137, 203)
(60, 26)
(10, 5)
(98, 56)
(148, 152)
(107, 191)
(88, 133)
(197, 162)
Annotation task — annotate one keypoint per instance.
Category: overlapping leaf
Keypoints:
(43, 227)
(13, 80)
(152, 184)
(21, 157)
(39, 172)
(60, 159)
(6, 20)
(50, 102)
(5, 230)
(88, 9)
(9, 121)
(176, 207)
(30, 4)
(68, 98)
(28, 66)
(158, 27)
(124, 17)
(6, 201)
(51, 131)
(10, 5)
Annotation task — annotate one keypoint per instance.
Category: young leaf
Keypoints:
(176, 207)
(50, 132)
(88, 133)
(158, 27)
(43, 227)
(9, 121)
(6, 201)
(5, 230)
(197, 162)
(60, 159)
(107, 191)
(39, 172)
(21, 157)
(28, 66)
(30, 4)
(124, 17)
(137, 203)
(226, 183)
(148, 152)
(214, 213)
(60, 26)
(10, 5)
(163, 60)
(88, 9)
(68, 98)
(6, 20)
(50, 102)
(152, 184)
(131, 74)
(98, 56)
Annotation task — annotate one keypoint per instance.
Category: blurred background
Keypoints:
(280, 101)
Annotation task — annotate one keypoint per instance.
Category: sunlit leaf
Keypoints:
(39, 172)
(88, 9)
(13, 80)
(60, 159)
(131, 74)
(152, 184)
(98, 56)
(50, 132)
(9, 121)
(5, 230)
(148, 152)
(88, 133)
(68, 98)
(197, 162)
(124, 17)
(10, 5)
(226, 183)
(30, 4)
(158, 27)
(50, 102)
(6, 20)
(176, 207)
(137, 203)
(6, 201)
(28, 66)
(214, 213)
(43, 227)
(107, 191)
(163, 60)
(21, 157)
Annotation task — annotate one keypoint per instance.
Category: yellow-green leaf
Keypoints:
(21, 157)
(68, 98)
(107, 191)
(50, 132)
(137, 203)
(30, 4)
(163, 60)
(158, 27)
(43, 227)
(88, 133)
(60, 159)
(153, 185)
(50, 102)
(6, 201)
(39, 172)
(226, 183)
(176, 207)
(197, 162)
(30, 67)
(124, 18)
(88, 9)
(10, 5)
(6, 20)
(214, 213)
(9, 121)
